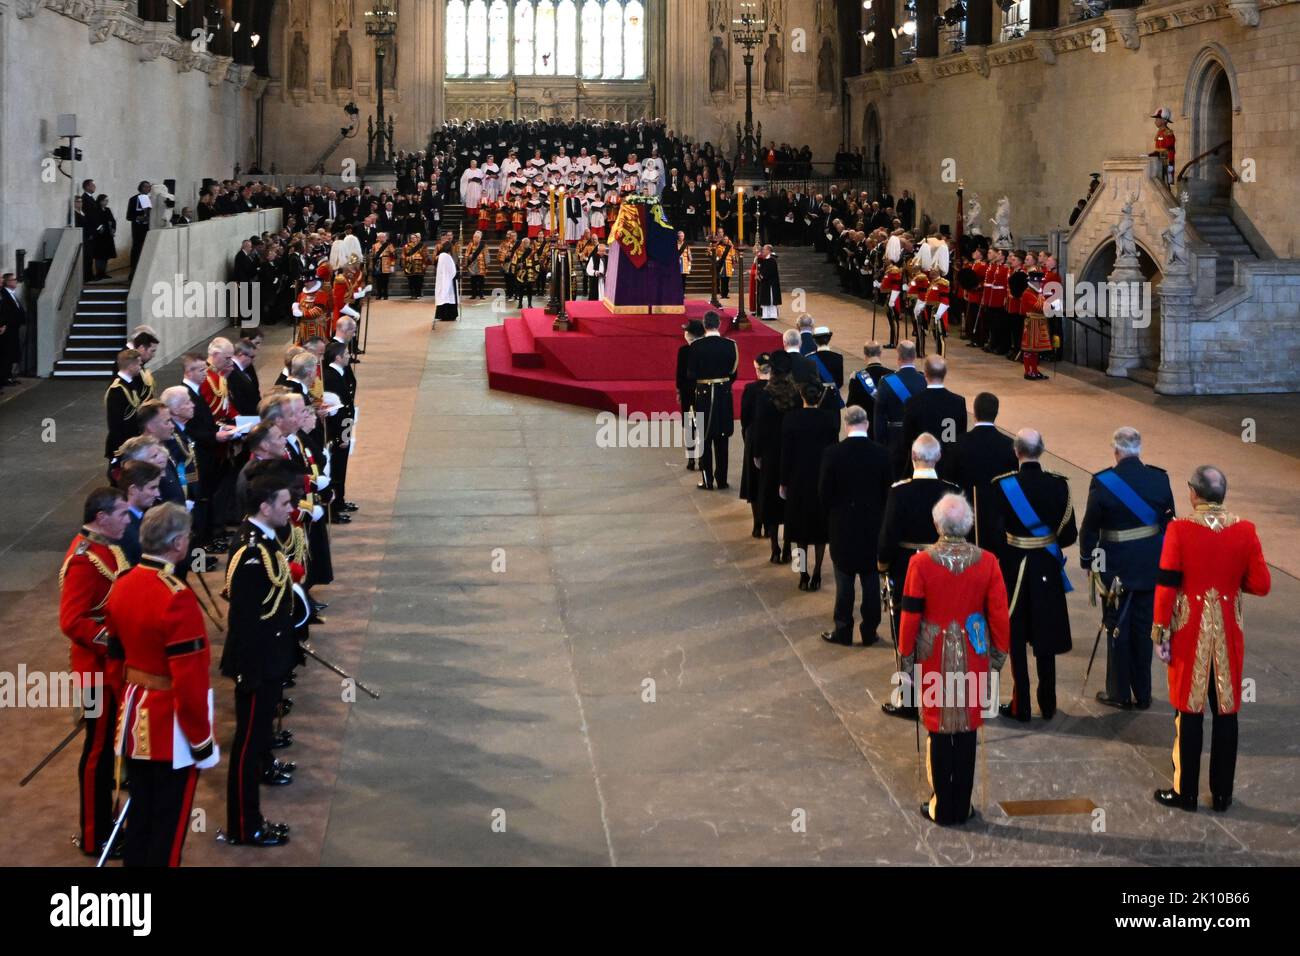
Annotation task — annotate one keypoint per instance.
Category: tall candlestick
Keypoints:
(559, 211)
(550, 208)
(740, 215)
(713, 210)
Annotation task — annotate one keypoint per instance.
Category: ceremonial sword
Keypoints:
(76, 729)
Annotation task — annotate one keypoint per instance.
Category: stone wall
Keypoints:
(1031, 118)
(1252, 342)
(147, 106)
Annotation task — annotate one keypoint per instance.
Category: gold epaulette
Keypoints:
(1004, 475)
(174, 584)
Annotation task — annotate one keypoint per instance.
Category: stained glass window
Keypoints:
(476, 39)
(499, 38)
(455, 37)
(597, 39)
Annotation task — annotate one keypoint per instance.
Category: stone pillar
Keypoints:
(1177, 312)
(1125, 315)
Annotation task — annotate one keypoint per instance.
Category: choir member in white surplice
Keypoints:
(446, 296)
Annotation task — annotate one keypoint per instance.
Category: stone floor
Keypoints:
(585, 660)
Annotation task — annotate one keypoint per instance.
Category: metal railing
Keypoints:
(1100, 331)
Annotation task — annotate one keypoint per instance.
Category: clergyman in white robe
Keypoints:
(446, 294)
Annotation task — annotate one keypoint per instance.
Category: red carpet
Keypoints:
(606, 360)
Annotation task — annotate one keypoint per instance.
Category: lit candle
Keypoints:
(713, 209)
(740, 215)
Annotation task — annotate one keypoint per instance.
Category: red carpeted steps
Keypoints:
(606, 360)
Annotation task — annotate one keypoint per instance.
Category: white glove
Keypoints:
(322, 482)
(348, 310)
(938, 313)
(893, 297)
(317, 512)
(918, 308)
(212, 759)
(875, 285)
(297, 311)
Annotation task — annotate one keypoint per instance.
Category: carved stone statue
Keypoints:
(1125, 245)
(826, 19)
(1175, 239)
(299, 14)
(826, 66)
(717, 66)
(717, 15)
(298, 63)
(1002, 224)
(341, 70)
(342, 10)
(973, 210)
(772, 63)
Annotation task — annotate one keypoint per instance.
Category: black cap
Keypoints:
(694, 327)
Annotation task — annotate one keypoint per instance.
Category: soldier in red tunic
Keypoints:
(955, 631)
(891, 284)
(314, 306)
(156, 618)
(1164, 142)
(92, 564)
(1208, 561)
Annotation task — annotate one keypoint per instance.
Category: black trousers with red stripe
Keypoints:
(254, 714)
(159, 815)
(95, 773)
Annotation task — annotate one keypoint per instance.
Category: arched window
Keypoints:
(596, 39)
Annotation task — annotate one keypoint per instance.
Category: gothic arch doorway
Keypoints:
(1087, 336)
(1209, 103)
(871, 146)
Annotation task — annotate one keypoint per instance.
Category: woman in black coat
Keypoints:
(105, 247)
(805, 434)
(781, 395)
(748, 410)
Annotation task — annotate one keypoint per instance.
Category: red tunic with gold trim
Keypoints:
(312, 313)
(90, 567)
(947, 585)
(1165, 144)
(1208, 561)
(936, 297)
(918, 287)
(1037, 334)
(995, 285)
(156, 618)
(890, 283)
(214, 392)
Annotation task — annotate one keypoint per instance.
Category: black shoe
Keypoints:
(902, 711)
(1142, 705)
(340, 517)
(757, 532)
(1047, 714)
(316, 619)
(350, 506)
(723, 486)
(1221, 804)
(690, 464)
(830, 638)
(273, 778)
(263, 837)
(280, 828)
(776, 557)
(869, 639)
(705, 486)
(1005, 710)
(318, 605)
(925, 812)
(1173, 799)
(288, 682)
(119, 847)
(284, 766)
(282, 740)
(1112, 702)
(803, 580)
(815, 583)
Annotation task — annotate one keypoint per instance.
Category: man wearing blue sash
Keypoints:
(1120, 539)
(1035, 516)
(894, 392)
(864, 385)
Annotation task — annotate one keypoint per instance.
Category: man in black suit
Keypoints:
(138, 210)
(339, 379)
(935, 409)
(12, 318)
(833, 361)
(853, 487)
(712, 365)
(90, 219)
(245, 269)
(980, 455)
(205, 436)
(692, 331)
(1122, 535)
(156, 421)
(139, 482)
(802, 369)
(1036, 518)
(242, 388)
(908, 527)
(864, 385)
(895, 391)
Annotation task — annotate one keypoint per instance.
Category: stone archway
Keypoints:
(871, 150)
(1082, 344)
(1210, 103)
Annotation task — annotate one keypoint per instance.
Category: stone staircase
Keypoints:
(98, 333)
(1215, 226)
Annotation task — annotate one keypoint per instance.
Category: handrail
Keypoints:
(1182, 174)
(1089, 330)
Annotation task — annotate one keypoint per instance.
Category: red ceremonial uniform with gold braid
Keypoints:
(156, 618)
(1208, 561)
(214, 392)
(90, 567)
(945, 584)
(314, 308)
(937, 296)
(1036, 335)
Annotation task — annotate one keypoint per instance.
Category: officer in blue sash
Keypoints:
(864, 385)
(1035, 521)
(894, 392)
(1120, 539)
